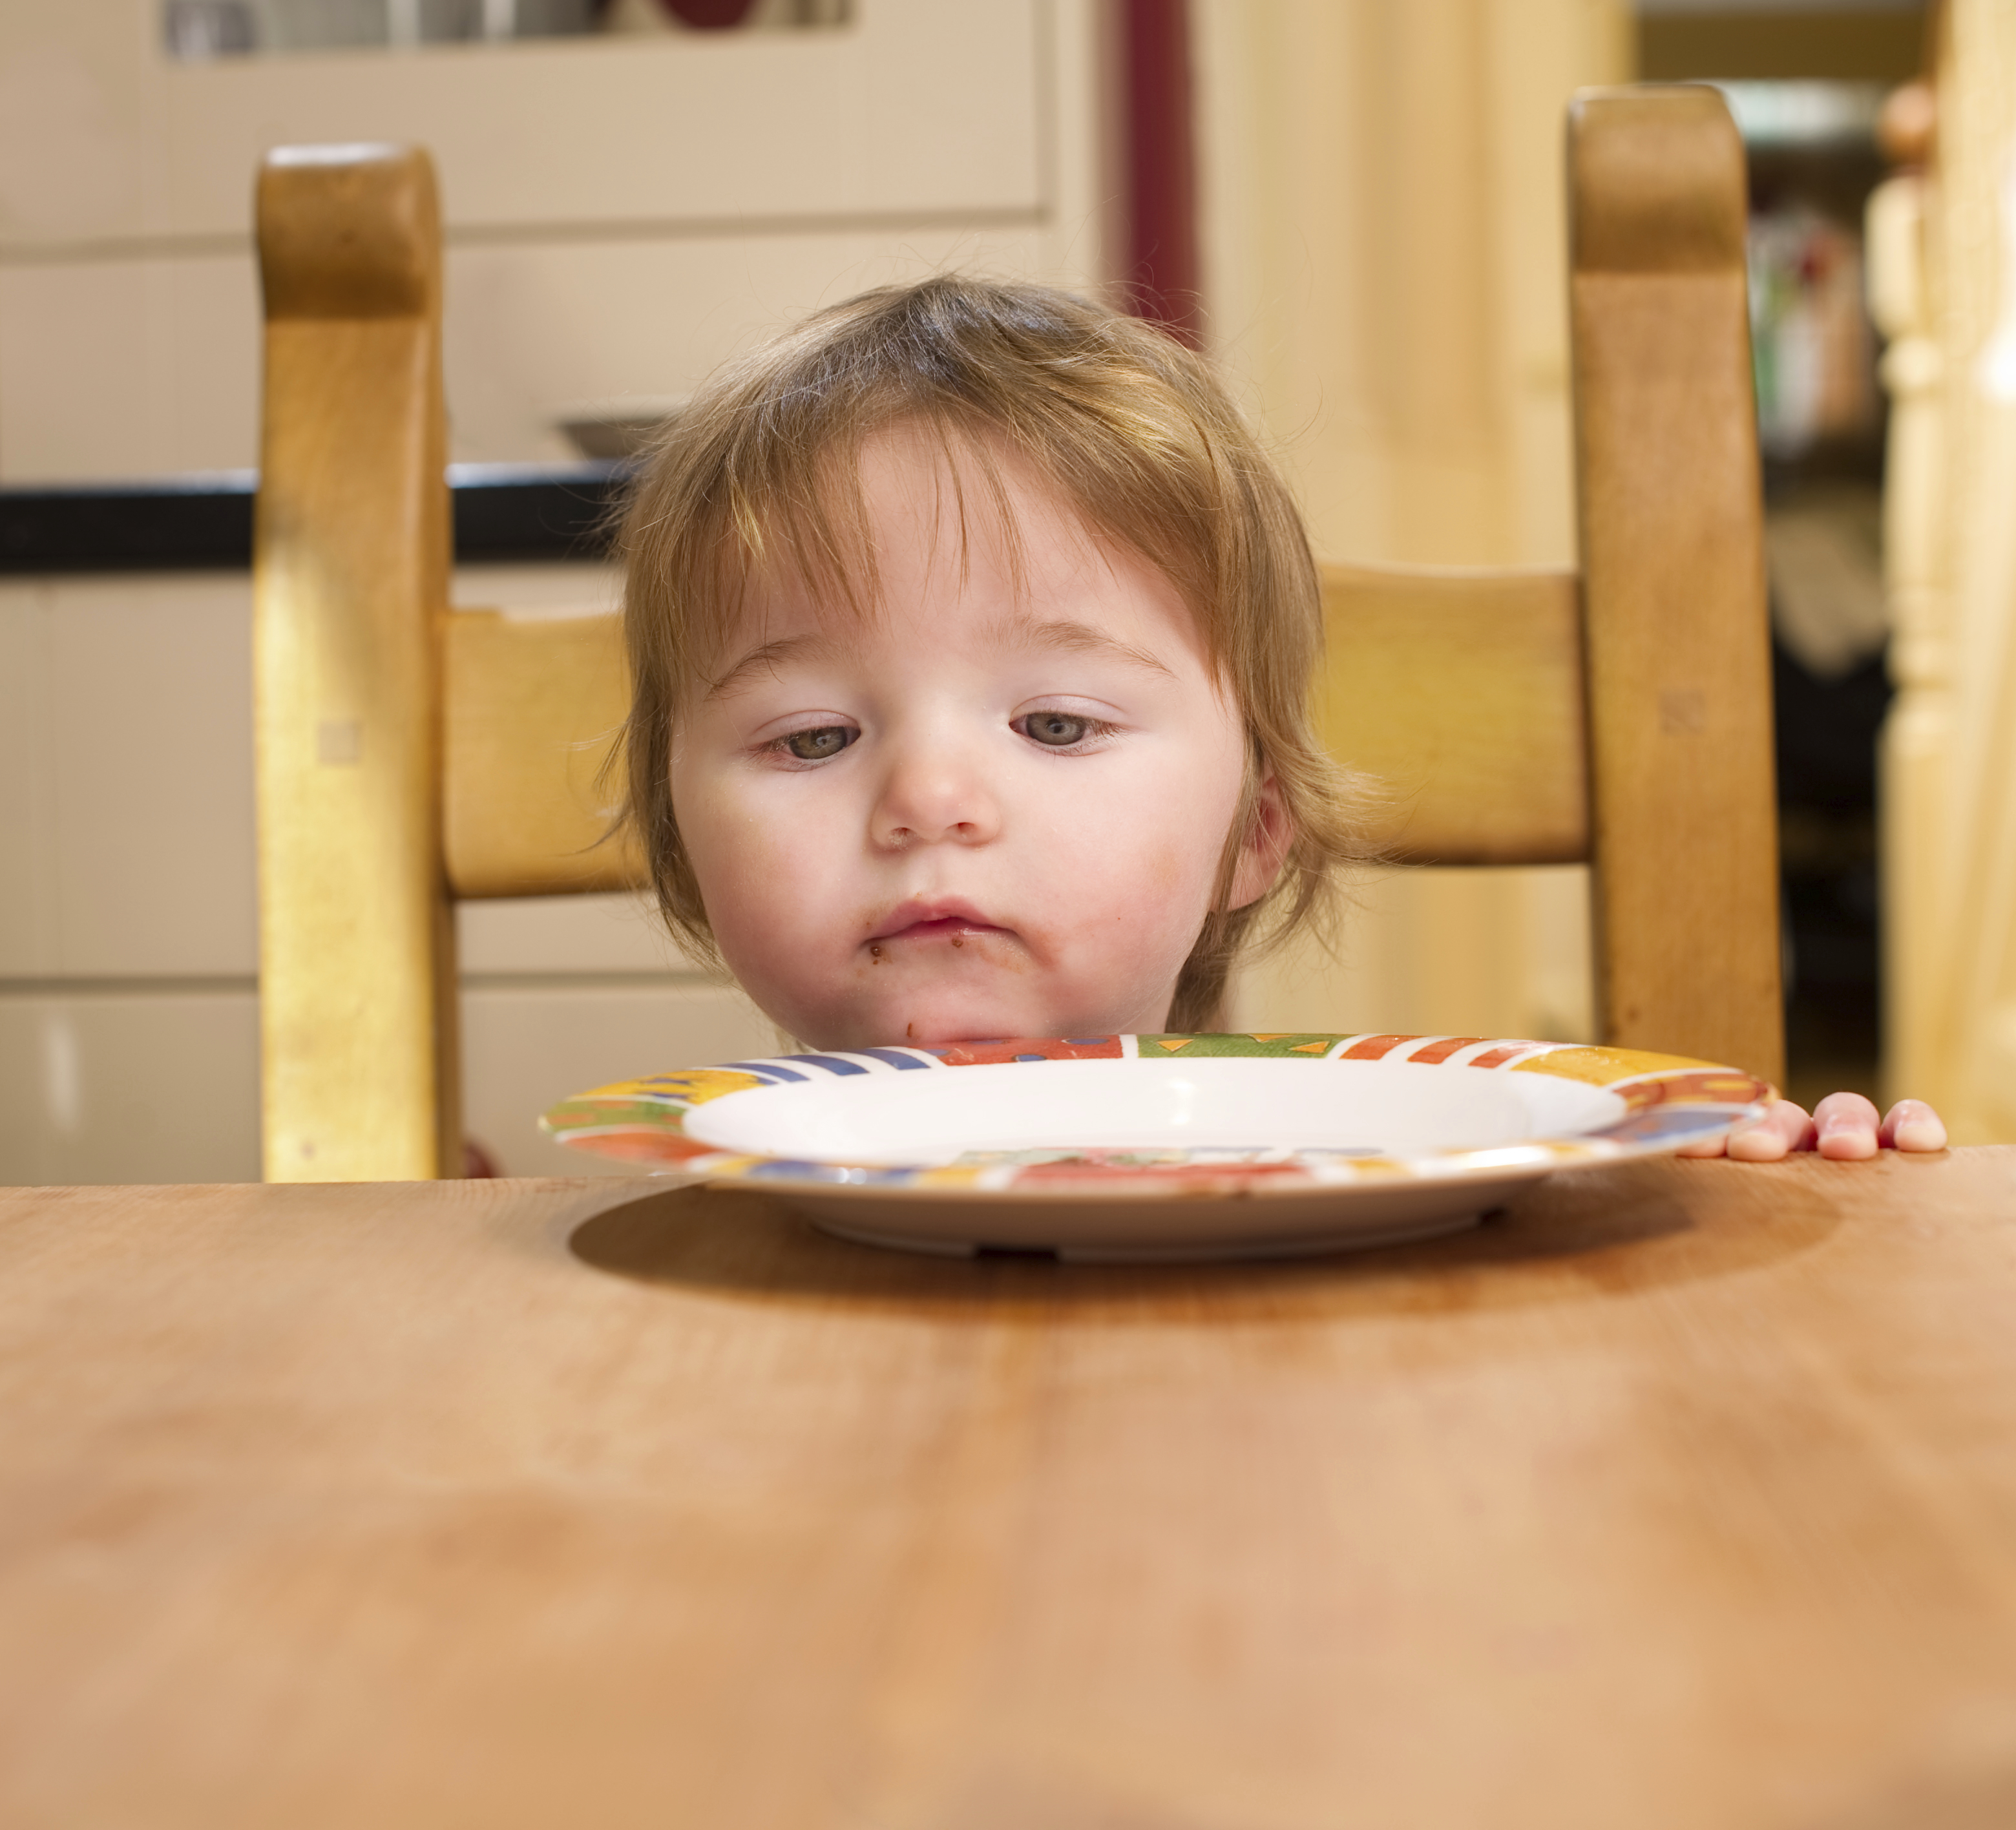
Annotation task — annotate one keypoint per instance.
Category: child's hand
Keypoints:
(1844, 1125)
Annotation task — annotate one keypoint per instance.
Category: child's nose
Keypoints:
(934, 793)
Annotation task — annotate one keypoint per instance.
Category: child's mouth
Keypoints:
(927, 921)
(951, 924)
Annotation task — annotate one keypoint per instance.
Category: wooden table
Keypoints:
(1684, 1495)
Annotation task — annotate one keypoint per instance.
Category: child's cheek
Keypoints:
(1138, 906)
(1168, 871)
(739, 859)
(1145, 896)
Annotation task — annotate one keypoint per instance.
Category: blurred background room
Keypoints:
(1355, 204)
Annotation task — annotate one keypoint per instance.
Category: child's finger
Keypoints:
(1912, 1125)
(1783, 1128)
(1715, 1147)
(1846, 1125)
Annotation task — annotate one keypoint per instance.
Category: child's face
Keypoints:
(981, 812)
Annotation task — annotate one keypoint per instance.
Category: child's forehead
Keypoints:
(930, 492)
(910, 508)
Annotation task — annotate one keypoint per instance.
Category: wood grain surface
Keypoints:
(1684, 1495)
(1670, 512)
(1458, 693)
(357, 983)
(533, 707)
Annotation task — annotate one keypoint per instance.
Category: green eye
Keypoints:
(816, 746)
(1057, 730)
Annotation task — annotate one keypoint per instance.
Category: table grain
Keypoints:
(1684, 1495)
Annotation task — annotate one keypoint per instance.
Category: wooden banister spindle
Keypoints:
(349, 579)
(1676, 633)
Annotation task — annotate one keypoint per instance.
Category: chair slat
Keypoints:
(350, 561)
(1459, 694)
(533, 707)
(1685, 838)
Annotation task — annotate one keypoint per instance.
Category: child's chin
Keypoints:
(936, 1024)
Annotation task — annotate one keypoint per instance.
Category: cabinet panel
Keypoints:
(27, 916)
(117, 368)
(80, 122)
(129, 1087)
(150, 771)
(129, 818)
(920, 107)
(129, 368)
(917, 108)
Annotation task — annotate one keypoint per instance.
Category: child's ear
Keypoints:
(1264, 849)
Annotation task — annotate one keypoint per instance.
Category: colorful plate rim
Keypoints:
(1670, 1100)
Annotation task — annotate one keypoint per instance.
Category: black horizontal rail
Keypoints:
(203, 522)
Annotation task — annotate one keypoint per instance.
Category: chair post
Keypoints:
(1677, 647)
(349, 580)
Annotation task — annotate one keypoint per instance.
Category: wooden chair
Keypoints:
(409, 756)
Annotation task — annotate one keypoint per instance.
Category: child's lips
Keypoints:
(925, 921)
(927, 930)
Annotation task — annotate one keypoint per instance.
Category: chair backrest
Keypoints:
(408, 754)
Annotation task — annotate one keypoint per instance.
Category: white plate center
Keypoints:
(939, 1115)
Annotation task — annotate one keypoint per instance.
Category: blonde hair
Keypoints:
(1134, 430)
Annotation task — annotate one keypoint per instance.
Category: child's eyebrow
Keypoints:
(769, 654)
(1023, 631)
(1076, 638)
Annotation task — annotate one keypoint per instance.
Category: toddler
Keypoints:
(972, 631)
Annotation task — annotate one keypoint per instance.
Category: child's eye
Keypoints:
(1055, 730)
(815, 746)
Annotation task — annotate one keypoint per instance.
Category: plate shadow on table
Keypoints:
(1595, 1235)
